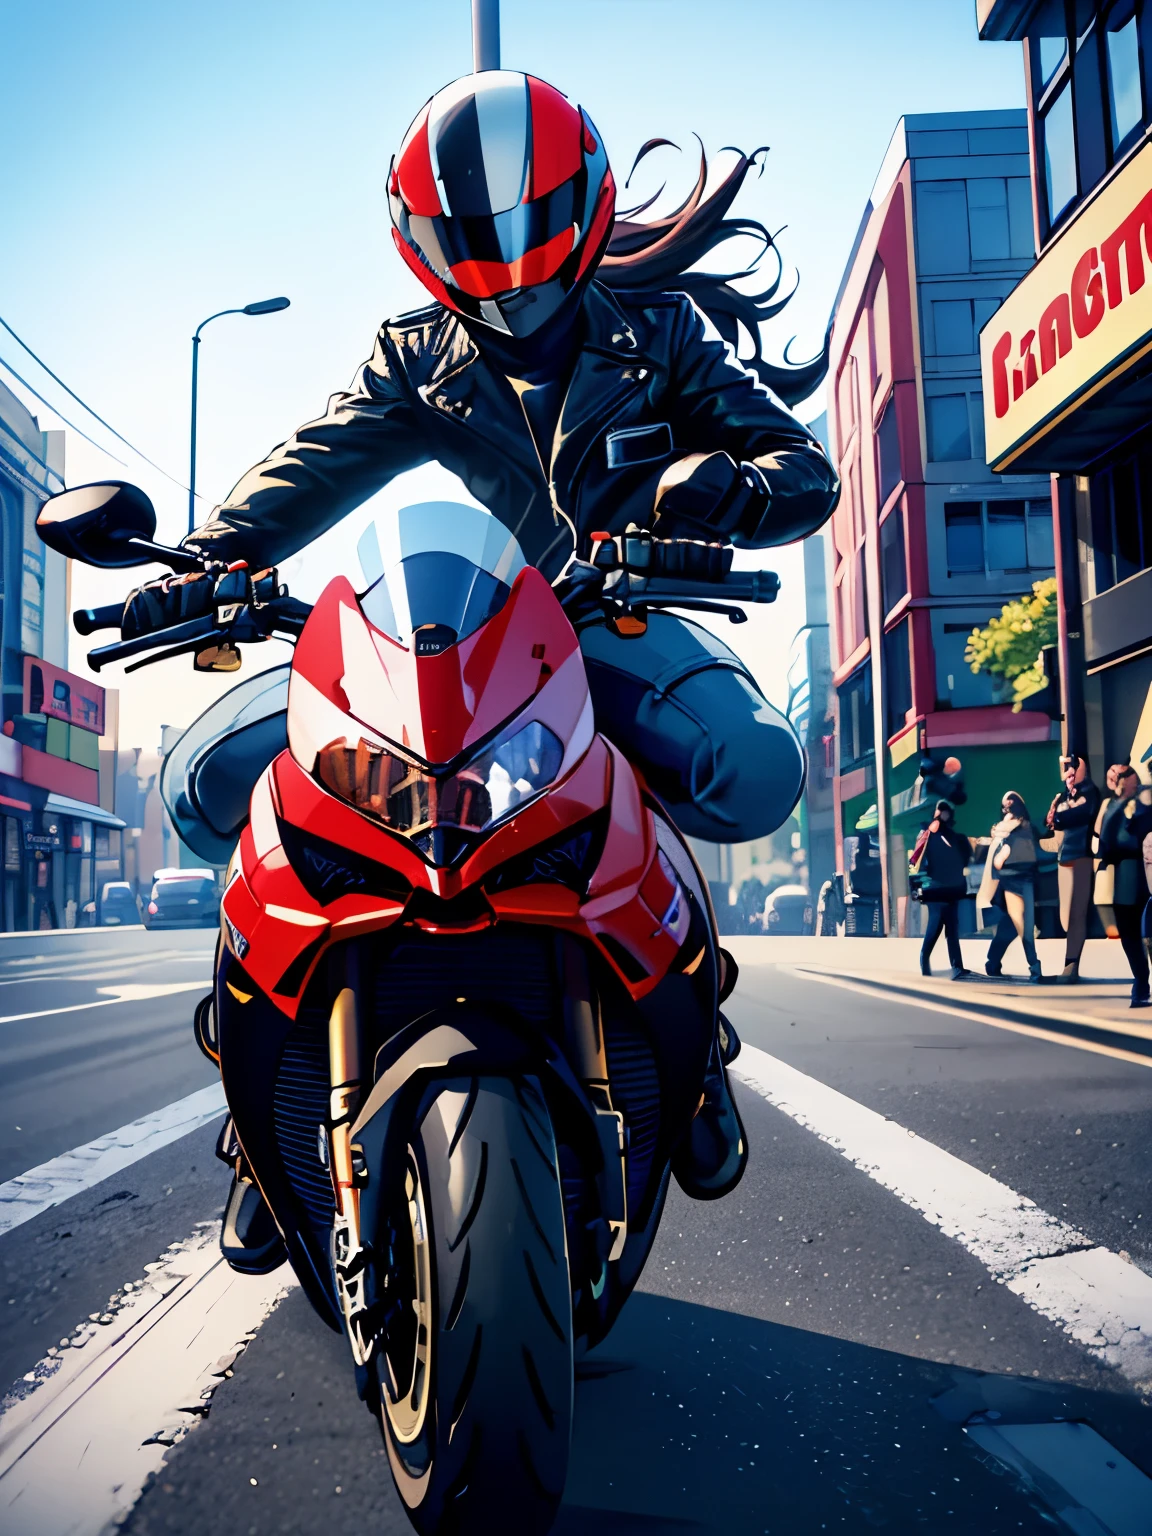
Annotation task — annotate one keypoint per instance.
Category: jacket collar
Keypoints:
(609, 367)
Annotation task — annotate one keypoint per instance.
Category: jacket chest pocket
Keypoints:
(628, 446)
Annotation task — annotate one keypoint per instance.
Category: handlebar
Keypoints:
(87, 620)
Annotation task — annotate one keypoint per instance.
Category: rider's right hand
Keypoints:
(160, 604)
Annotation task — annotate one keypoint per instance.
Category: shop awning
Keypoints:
(64, 806)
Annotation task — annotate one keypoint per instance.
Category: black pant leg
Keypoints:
(936, 922)
(952, 934)
(1128, 922)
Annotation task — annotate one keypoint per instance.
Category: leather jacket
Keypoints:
(648, 388)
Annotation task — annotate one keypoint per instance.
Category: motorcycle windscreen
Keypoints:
(207, 778)
(436, 572)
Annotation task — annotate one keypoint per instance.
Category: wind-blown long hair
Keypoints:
(656, 255)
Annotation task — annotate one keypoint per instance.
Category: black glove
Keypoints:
(160, 604)
(713, 493)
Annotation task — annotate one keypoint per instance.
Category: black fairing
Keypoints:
(252, 1039)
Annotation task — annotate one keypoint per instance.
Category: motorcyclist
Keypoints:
(563, 372)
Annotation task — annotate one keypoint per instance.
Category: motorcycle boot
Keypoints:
(250, 1240)
(711, 1160)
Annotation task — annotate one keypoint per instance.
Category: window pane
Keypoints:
(888, 450)
(1124, 101)
(1007, 541)
(948, 436)
(1021, 236)
(952, 322)
(941, 227)
(988, 219)
(897, 678)
(893, 568)
(1059, 154)
(984, 310)
(1041, 544)
(1053, 51)
(1126, 521)
(976, 408)
(964, 537)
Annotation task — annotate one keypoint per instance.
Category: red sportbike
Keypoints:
(467, 980)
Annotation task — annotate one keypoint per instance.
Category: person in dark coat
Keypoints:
(1127, 822)
(1073, 814)
(941, 857)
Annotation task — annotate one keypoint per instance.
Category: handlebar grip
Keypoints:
(737, 586)
(87, 620)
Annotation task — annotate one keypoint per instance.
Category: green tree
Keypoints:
(1009, 645)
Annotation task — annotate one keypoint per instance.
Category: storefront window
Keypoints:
(1059, 154)
(1125, 103)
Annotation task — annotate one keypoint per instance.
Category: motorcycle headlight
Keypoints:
(500, 778)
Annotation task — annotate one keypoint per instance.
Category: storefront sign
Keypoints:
(61, 695)
(47, 835)
(1080, 318)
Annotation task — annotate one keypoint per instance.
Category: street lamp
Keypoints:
(261, 307)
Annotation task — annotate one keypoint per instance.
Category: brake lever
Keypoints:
(215, 637)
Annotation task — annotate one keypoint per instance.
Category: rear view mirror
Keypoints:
(98, 523)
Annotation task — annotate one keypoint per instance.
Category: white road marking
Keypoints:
(1102, 1300)
(134, 992)
(869, 988)
(97, 1418)
(51, 1183)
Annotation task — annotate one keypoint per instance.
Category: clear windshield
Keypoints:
(436, 571)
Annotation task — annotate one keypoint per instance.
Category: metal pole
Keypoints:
(192, 463)
(485, 35)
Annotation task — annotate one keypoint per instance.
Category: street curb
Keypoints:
(1077, 1026)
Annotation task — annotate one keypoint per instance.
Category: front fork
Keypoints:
(349, 1259)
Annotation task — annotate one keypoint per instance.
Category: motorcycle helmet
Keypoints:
(502, 199)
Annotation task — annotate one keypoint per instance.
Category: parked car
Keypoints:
(788, 910)
(184, 898)
(118, 906)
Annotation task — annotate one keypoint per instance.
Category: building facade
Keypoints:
(60, 838)
(1067, 360)
(927, 542)
(809, 710)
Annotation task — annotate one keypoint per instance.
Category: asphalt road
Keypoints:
(802, 1356)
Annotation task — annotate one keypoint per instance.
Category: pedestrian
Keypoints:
(1073, 814)
(940, 859)
(1126, 823)
(1011, 869)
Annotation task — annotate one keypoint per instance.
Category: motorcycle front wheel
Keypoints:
(476, 1373)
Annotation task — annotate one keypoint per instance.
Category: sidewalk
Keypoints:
(1095, 1010)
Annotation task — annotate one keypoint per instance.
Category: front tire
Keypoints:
(476, 1388)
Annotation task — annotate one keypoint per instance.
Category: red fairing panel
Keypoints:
(350, 680)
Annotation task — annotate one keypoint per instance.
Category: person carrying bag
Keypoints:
(1009, 885)
(937, 869)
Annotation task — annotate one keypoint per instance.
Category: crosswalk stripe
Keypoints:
(1099, 1298)
(59, 1179)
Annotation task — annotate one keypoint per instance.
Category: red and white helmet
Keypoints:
(502, 199)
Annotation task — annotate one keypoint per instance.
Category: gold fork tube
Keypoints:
(344, 1078)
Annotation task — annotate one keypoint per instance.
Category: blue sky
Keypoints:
(163, 161)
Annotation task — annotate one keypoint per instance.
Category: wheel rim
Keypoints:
(406, 1380)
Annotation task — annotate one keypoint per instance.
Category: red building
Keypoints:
(928, 543)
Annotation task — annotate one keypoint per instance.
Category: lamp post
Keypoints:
(261, 307)
(485, 35)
